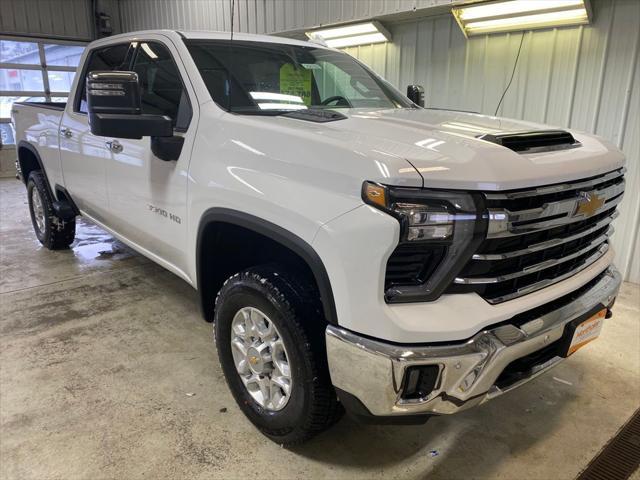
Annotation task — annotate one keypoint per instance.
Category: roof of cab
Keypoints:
(207, 35)
(250, 37)
(211, 35)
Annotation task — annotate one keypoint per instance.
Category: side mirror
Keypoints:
(115, 109)
(167, 148)
(415, 93)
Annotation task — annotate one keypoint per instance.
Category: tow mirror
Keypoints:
(115, 109)
(415, 93)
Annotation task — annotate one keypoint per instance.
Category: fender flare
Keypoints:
(278, 234)
(29, 146)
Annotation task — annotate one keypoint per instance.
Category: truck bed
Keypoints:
(37, 124)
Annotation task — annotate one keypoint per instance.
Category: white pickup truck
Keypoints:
(354, 250)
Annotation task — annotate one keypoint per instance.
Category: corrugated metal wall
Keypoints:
(66, 19)
(586, 78)
(258, 16)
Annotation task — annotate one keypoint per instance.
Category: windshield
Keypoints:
(269, 78)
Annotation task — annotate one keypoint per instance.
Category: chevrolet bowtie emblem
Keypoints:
(588, 204)
(253, 360)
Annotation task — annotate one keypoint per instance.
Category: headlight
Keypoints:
(426, 222)
(440, 228)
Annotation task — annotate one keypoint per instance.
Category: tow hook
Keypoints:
(609, 313)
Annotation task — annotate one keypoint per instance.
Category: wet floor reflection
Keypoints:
(94, 244)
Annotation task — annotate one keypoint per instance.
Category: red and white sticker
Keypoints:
(587, 331)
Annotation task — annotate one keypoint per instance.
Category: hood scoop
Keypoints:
(531, 142)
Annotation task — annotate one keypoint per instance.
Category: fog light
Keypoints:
(419, 382)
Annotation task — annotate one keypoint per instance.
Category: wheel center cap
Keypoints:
(256, 361)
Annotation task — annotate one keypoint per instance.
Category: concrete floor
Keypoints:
(108, 371)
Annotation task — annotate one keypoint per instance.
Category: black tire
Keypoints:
(293, 306)
(55, 234)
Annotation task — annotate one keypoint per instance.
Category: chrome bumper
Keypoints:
(373, 371)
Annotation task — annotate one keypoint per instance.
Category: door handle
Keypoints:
(66, 132)
(114, 145)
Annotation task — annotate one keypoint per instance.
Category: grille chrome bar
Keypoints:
(542, 236)
(603, 248)
(550, 281)
(562, 187)
(537, 247)
(503, 222)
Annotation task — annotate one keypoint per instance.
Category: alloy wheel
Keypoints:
(261, 358)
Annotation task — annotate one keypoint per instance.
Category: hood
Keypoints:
(442, 146)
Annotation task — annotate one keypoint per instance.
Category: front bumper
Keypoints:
(373, 371)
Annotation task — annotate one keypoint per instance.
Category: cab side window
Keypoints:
(161, 89)
(114, 57)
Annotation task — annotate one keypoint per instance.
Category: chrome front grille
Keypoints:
(538, 237)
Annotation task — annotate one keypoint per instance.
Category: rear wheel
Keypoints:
(270, 339)
(52, 231)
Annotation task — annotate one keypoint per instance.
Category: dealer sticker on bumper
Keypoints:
(587, 331)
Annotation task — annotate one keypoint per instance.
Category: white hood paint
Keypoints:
(443, 148)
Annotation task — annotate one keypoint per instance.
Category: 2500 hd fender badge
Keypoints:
(164, 213)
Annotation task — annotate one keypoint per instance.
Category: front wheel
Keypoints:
(270, 339)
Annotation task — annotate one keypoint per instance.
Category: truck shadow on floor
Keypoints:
(471, 444)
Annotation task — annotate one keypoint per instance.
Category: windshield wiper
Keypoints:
(310, 114)
(315, 115)
(257, 111)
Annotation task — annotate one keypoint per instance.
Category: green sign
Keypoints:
(296, 82)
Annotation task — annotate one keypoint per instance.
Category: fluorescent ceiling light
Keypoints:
(570, 17)
(357, 40)
(352, 35)
(510, 15)
(508, 8)
(347, 31)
